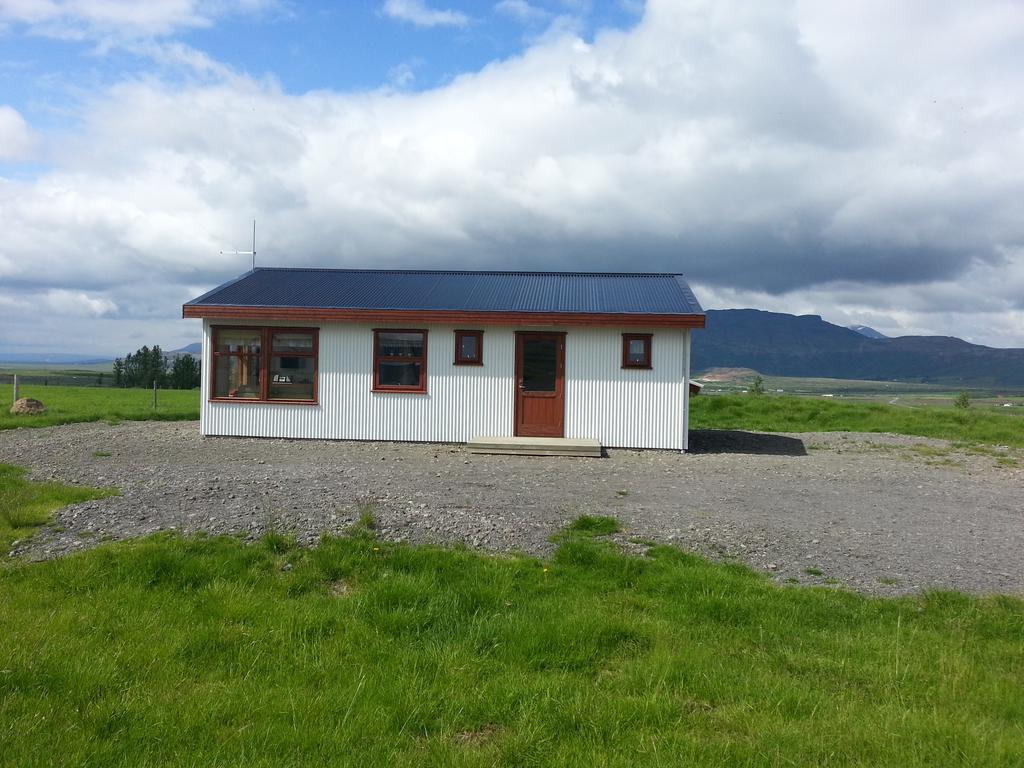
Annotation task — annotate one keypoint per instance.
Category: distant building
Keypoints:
(449, 356)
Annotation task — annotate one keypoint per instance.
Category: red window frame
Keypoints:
(266, 352)
(646, 338)
(377, 359)
(459, 359)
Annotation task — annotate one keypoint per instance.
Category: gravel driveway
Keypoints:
(878, 513)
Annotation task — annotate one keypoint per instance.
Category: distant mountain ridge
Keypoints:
(50, 358)
(788, 345)
(867, 330)
(67, 358)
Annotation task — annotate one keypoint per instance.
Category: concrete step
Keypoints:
(535, 446)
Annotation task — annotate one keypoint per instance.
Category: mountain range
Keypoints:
(778, 344)
(867, 330)
(65, 358)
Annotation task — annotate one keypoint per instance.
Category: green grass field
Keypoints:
(66, 405)
(770, 413)
(173, 651)
(773, 413)
(24, 506)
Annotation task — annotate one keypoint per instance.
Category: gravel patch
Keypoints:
(884, 514)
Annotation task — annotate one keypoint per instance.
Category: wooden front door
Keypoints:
(540, 384)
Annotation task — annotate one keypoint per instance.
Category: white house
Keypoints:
(448, 356)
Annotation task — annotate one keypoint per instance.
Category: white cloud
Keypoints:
(59, 301)
(521, 10)
(77, 303)
(417, 12)
(403, 75)
(17, 140)
(81, 19)
(746, 145)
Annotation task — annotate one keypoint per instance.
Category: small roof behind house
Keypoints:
(386, 294)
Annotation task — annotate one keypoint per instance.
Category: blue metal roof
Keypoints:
(572, 292)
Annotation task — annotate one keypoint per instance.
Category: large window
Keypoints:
(636, 350)
(265, 364)
(399, 361)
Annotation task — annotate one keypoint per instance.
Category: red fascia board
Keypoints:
(444, 317)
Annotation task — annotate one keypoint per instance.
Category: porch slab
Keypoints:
(536, 446)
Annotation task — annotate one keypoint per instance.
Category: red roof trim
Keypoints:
(453, 317)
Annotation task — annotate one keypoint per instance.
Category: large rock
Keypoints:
(28, 405)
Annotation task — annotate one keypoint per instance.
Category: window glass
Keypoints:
(244, 369)
(540, 365)
(291, 378)
(239, 340)
(399, 344)
(637, 352)
(400, 360)
(293, 342)
(392, 373)
(238, 376)
(469, 347)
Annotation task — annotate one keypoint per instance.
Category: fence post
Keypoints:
(154, 394)
(15, 387)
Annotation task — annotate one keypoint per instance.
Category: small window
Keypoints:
(399, 361)
(469, 347)
(636, 350)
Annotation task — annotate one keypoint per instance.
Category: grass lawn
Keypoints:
(770, 413)
(173, 651)
(25, 505)
(766, 413)
(65, 405)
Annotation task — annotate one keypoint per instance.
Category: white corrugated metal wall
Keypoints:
(619, 407)
(624, 407)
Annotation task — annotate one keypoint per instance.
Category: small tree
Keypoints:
(756, 387)
(141, 369)
(963, 400)
(156, 368)
(184, 373)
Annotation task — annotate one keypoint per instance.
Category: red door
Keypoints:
(540, 384)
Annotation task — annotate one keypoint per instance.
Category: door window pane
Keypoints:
(540, 365)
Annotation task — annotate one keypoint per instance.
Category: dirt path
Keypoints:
(879, 513)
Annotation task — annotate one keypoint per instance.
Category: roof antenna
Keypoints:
(246, 253)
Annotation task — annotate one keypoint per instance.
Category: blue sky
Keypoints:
(306, 46)
(857, 159)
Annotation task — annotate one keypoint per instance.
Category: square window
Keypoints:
(469, 347)
(399, 361)
(636, 350)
